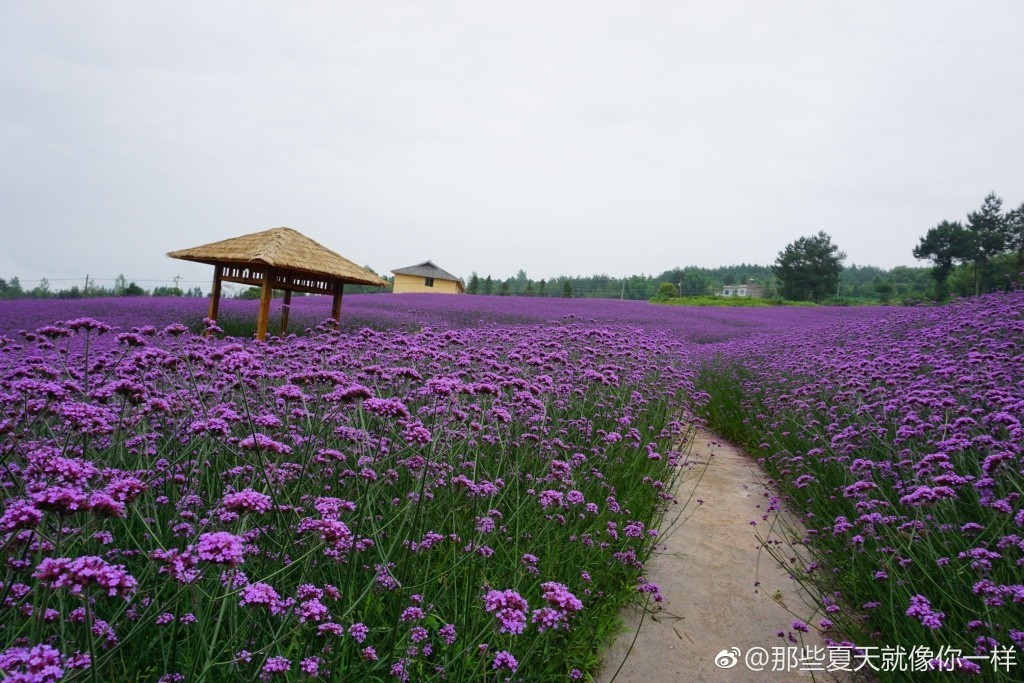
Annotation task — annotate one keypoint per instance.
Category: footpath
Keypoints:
(706, 566)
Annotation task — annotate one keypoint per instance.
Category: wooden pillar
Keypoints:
(285, 309)
(264, 315)
(339, 291)
(218, 272)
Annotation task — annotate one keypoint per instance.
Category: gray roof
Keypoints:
(427, 269)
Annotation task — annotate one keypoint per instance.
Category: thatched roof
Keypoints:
(427, 269)
(281, 248)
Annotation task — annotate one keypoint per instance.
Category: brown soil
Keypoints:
(706, 569)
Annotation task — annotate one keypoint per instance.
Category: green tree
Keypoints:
(528, 291)
(249, 293)
(885, 289)
(808, 269)
(42, 290)
(488, 285)
(540, 287)
(520, 281)
(503, 290)
(987, 228)
(667, 290)
(474, 283)
(133, 289)
(945, 245)
(1015, 236)
(567, 290)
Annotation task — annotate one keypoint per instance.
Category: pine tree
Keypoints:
(808, 269)
(988, 232)
(945, 244)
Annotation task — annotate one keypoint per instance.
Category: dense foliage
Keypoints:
(988, 248)
(808, 269)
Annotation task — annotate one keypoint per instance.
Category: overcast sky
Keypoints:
(557, 137)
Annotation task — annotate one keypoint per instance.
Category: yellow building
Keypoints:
(427, 278)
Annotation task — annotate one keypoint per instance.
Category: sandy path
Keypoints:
(706, 570)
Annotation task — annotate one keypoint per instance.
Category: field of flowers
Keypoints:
(466, 488)
(899, 444)
(413, 312)
(453, 504)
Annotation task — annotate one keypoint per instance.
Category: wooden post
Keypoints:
(264, 316)
(285, 309)
(339, 291)
(218, 272)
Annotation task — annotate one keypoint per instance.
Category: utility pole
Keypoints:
(85, 292)
(176, 278)
(623, 295)
(680, 288)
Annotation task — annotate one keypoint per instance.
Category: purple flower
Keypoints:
(275, 666)
(447, 633)
(358, 632)
(247, 500)
(38, 664)
(509, 608)
(260, 594)
(504, 660)
(263, 442)
(82, 572)
(220, 547)
(20, 514)
(921, 608)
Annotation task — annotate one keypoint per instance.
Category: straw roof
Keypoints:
(281, 248)
(427, 269)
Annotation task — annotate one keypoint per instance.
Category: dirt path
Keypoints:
(706, 570)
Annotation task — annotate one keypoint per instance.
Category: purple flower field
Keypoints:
(456, 504)
(467, 488)
(899, 442)
(412, 312)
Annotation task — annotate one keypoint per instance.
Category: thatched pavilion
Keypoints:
(278, 258)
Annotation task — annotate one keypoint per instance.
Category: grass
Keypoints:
(728, 301)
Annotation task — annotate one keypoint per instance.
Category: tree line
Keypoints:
(857, 283)
(986, 253)
(983, 254)
(13, 289)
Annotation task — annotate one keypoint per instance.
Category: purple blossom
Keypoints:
(80, 573)
(504, 660)
(921, 608)
(220, 547)
(509, 608)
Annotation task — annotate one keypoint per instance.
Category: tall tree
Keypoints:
(808, 269)
(567, 290)
(987, 228)
(488, 285)
(1015, 236)
(945, 245)
(474, 283)
(540, 287)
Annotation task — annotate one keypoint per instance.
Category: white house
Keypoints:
(749, 288)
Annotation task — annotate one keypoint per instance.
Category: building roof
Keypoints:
(427, 269)
(281, 248)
